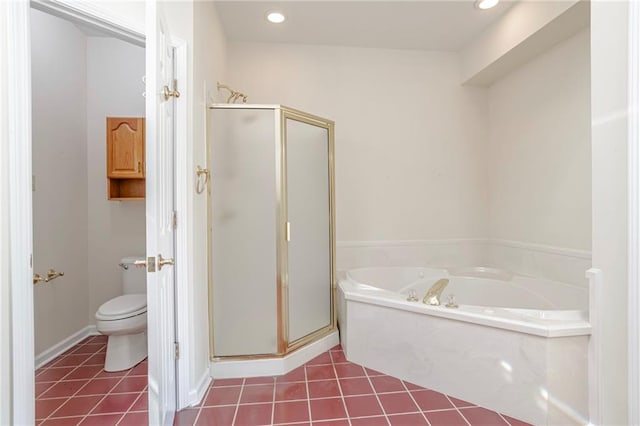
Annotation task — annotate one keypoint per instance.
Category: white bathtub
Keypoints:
(514, 344)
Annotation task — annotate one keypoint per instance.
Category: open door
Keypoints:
(160, 105)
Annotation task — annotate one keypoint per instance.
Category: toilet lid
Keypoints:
(123, 306)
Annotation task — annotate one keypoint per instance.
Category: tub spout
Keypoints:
(433, 294)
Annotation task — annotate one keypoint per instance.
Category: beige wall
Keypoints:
(60, 172)
(116, 228)
(410, 140)
(539, 152)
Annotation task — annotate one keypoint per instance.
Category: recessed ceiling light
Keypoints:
(486, 4)
(275, 17)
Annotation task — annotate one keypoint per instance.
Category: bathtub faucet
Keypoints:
(433, 294)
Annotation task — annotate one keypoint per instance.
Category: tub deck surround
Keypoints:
(528, 363)
(485, 296)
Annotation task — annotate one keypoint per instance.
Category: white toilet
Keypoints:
(124, 319)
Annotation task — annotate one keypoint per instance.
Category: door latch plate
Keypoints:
(151, 264)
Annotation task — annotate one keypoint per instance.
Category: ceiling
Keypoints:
(446, 25)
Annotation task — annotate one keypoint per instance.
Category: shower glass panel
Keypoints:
(309, 216)
(243, 260)
(271, 230)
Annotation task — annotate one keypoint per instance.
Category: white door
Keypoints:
(160, 206)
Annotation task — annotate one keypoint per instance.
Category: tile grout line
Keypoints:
(204, 399)
(132, 404)
(235, 413)
(69, 397)
(458, 410)
(103, 397)
(404, 385)
(344, 403)
(110, 392)
(505, 420)
(273, 402)
(121, 378)
(306, 382)
(384, 412)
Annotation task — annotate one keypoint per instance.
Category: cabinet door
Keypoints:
(125, 147)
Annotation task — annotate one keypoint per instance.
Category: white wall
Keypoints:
(6, 364)
(539, 152)
(523, 32)
(60, 169)
(115, 228)
(197, 24)
(410, 140)
(210, 56)
(131, 12)
(609, 88)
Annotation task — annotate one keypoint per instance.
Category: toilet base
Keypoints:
(125, 351)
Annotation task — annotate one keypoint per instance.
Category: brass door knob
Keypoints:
(168, 93)
(163, 262)
(140, 263)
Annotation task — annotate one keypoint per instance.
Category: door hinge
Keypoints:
(176, 348)
(174, 220)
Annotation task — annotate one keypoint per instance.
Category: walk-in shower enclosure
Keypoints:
(271, 229)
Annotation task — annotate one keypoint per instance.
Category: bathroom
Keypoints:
(484, 193)
(80, 77)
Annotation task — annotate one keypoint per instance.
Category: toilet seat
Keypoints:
(121, 307)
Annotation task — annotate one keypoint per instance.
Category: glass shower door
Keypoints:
(308, 183)
(243, 234)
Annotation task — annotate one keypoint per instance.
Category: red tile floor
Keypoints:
(328, 390)
(73, 389)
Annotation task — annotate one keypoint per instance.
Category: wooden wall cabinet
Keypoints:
(125, 158)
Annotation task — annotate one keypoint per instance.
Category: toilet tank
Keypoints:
(134, 279)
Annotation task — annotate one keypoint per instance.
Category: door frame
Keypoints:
(633, 227)
(18, 118)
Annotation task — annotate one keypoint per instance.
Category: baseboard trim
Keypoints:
(197, 394)
(273, 366)
(64, 345)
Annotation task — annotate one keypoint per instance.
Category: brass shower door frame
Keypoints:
(284, 346)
